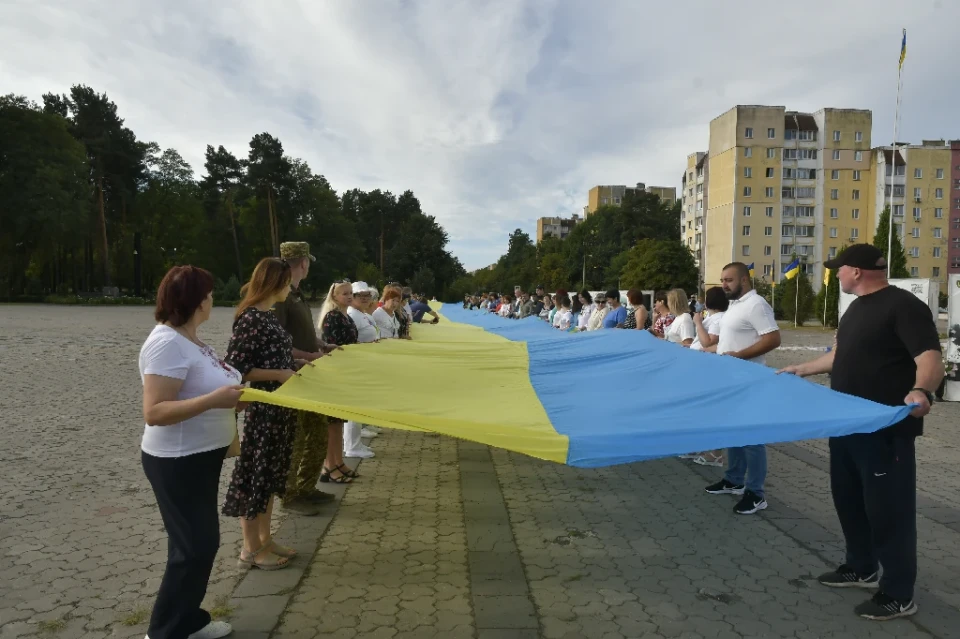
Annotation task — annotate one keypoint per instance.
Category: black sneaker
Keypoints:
(847, 577)
(319, 497)
(751, 503)
(723, 487)
(884, 608)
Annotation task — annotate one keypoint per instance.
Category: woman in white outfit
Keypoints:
(368, 332)
(681, 331)
(385, 317)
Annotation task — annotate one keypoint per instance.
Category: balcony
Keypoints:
(805, 240)
(803, 220)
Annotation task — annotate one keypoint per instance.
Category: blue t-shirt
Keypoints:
(615, 316)
(418, 309)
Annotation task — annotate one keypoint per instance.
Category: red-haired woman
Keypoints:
(189, 401)
(263, 353)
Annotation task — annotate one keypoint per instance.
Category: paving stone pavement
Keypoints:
(439, 538)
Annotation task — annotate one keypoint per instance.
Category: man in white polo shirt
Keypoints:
(748, 331)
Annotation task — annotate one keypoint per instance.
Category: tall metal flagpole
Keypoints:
(893, 155)
(796, 302)
(826, 291)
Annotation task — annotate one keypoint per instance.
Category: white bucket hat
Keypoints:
(360, 287)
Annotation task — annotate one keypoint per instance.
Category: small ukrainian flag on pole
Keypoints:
(826, 276)
(792, 269)
(751, 270)
(903, 48)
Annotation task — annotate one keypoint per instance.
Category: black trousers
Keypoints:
(873, 478)
(186, 490)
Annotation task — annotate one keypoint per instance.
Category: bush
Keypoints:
(75, 300)
(229, 291)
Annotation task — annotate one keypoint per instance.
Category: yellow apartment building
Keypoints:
(694, 206)
(613, 194)
(780, 183)
(918, 180)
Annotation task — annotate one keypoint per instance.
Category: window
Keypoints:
(833, 231)
(835, 174)
(748, 132)
(898, 190)
(901, 169)
(768, 230)
(747, 172)
(771, 133)
(916, 212)
(805, 231)
(836, 136)
(748, 151)
(856, 214)
(832, 253)
(935, 271)
(834, 213)
(834, 194)
(767, 250)
(771, 153)
(938, 213)
(791, 173)
(799, 154)
(604, 200)
(937, 232)
(802, 192)
(854, 233)
(898, 210)
(746, 251)
(914, 271)
(836, 154)
(939, 174)
(856, 176)
(769, 211)
(936, 251)
(856, 194)
(768, 192)
(746, 230)
(786, 249)
(858, 136)
(915, 252)
(916, 193)
(747, 191)
(616, 200)
(769, 172)
(938, 194)
(858, 156)
(786, 230)
(918, 173)
(746, 211)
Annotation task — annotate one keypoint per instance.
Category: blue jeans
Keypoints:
(750, 463)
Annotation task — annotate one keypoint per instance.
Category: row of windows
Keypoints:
(810, 211)
(899, 190)
(835, 194)
(791, 134)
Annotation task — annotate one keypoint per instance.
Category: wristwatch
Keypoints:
(930, 397)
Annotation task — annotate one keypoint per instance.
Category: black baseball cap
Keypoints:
(865, 257)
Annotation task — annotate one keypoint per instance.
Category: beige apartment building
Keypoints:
(612, 195)
(918, 181)
(776, 177)
(556, 226)
(694, 206)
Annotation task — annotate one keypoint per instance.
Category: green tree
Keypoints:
(268, 172)
(800, 309)
(898, 265)
(424, 282)
(660, 265)
(225, 173)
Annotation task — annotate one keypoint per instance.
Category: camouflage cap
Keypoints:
(295, 250)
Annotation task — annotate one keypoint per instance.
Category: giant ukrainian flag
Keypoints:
(584, 399)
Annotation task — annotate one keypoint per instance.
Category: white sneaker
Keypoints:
(368, 434)
(360, 453)
(213, 630)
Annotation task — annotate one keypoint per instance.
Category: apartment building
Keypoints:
(917, 181)
(612, 195)
(953, 264)
(556, 226)
(694, 206)
(773, 176)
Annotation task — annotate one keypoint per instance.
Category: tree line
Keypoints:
(636, 244)
(86, 205)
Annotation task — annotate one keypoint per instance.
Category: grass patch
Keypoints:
(221, 608)
(51, 626)
(135, 618)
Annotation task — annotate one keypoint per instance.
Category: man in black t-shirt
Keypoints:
(888, 351)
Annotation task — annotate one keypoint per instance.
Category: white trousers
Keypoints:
(351, 437)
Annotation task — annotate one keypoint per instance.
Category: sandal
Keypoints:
(280, 551)
(348, 472)
(249, 560)
(709, 459)
(325, 476)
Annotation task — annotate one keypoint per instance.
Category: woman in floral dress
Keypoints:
(337, 328)
(263, 353)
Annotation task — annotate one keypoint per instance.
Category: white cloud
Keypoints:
(494, 113)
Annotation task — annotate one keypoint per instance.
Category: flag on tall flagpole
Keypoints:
(903, 48)
(751, 270)
(826, 276)
(792, 269)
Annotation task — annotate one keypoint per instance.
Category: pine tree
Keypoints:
(898, 265)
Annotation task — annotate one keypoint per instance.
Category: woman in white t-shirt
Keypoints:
(563, 318)
(386, 316)
(190, 398)
(681, 330)
(367, 332)
(708, 328)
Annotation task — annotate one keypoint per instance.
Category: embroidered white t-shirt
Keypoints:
(388, 324)
(681, 329)
(711, 324)
(169, 354)
(367, 330)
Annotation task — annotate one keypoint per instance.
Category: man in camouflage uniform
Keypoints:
(310, 441)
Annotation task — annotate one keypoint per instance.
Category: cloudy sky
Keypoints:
(494, 112)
